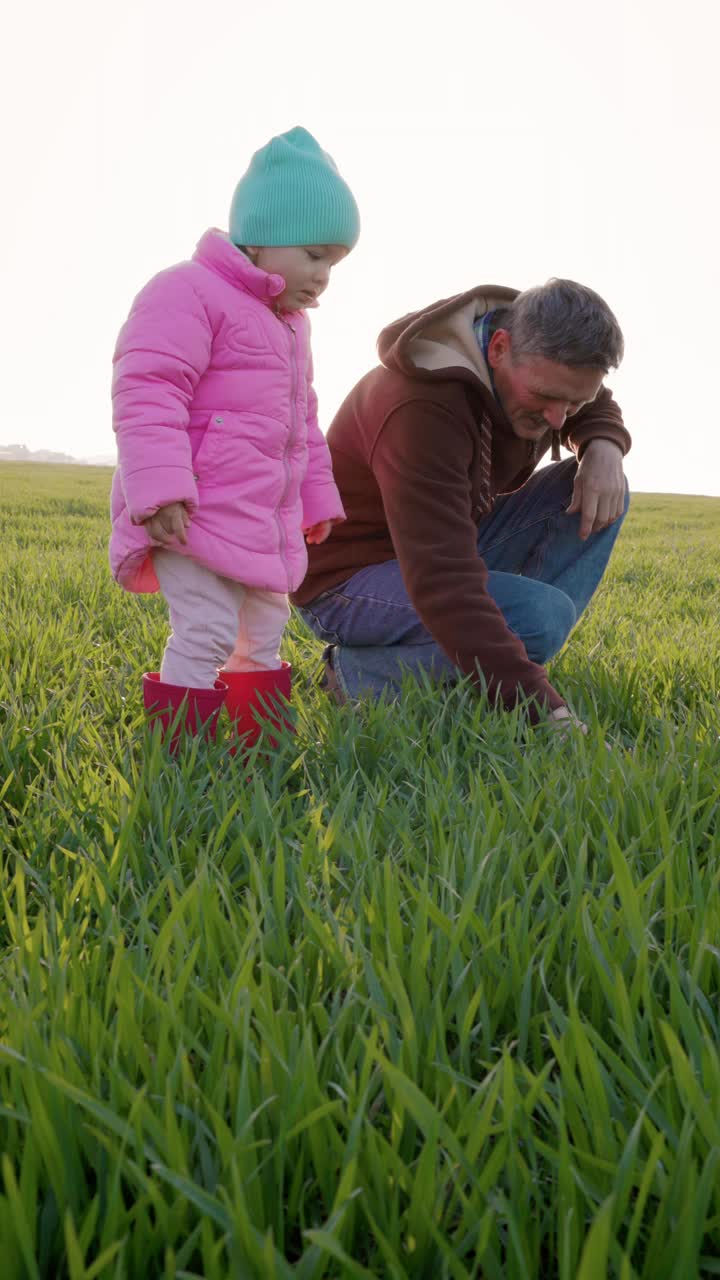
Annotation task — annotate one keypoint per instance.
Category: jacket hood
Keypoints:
(441, 336)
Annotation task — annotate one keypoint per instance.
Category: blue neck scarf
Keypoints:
(484, 328)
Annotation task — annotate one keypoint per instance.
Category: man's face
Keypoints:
(304, 268)
(536, 393)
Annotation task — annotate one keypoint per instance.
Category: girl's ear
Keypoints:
(252, 251)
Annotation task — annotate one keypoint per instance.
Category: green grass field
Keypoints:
(425, 997)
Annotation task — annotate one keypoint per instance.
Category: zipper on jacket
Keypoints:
(290, 441)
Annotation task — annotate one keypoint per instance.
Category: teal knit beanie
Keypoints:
(293, 194)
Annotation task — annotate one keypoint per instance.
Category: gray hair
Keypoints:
(565, 322)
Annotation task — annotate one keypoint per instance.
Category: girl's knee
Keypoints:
(212, 639)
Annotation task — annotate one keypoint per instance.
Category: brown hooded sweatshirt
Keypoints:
(419, 448)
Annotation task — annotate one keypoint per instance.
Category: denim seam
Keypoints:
(333, 637)
(546, 517)
(539, 551)
(335, 595)
(392, 604)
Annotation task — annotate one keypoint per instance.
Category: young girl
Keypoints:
(222, 466)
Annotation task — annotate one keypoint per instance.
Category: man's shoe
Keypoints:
(330, 684)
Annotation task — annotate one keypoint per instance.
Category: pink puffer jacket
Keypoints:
(214, 406)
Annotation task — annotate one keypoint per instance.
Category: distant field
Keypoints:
(424, 997)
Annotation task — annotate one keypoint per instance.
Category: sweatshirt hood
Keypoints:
(428, 342)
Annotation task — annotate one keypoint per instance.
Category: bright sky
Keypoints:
(485, 143)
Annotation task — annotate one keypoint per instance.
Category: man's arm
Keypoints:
(600, 440)
(599, 490)
(600, 420)
(421, 462)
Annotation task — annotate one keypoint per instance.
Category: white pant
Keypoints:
(216, 623)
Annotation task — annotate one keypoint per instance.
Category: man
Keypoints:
(455, 557)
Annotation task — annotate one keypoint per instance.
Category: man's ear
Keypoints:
(499, 348)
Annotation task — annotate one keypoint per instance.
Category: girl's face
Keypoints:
(304, 268)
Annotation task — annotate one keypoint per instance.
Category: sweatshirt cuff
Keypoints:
(616, 435)
(540, 703)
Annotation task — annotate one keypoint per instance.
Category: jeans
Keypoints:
(541, 576)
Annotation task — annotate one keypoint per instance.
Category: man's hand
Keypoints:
(168, 523)
(599, 489)
(317, 533)
(565, 720)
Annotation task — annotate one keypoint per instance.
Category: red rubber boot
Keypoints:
(201, 706)
(252, 700)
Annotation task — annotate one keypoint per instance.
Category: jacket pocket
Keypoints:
(206, 449)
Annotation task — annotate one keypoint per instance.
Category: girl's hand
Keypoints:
(168, 523)
(316, 533)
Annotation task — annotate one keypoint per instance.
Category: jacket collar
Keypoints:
(216, 251)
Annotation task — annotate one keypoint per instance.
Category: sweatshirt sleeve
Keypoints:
(421, 462)
(162, 351)
(319, 494)
(601, 419)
